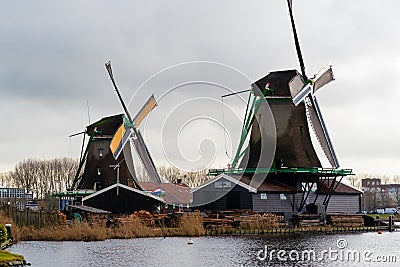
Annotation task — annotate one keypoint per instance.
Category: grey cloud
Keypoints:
(53, 54)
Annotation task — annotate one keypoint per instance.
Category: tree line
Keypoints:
(193, 179)
(41, 177)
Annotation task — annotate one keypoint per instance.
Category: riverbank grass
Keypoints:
(7, 257)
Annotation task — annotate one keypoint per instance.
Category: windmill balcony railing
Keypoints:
(318, 171)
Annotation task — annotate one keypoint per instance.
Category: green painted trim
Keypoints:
(317, 171)
(249, 116)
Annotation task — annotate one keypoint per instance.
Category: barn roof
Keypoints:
(245, 182)
(233, 179)
(272, 187)
(340, 189)
(89, 209)
(174, 193)
(121, 186)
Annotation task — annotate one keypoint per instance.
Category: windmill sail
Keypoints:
(129, 131)
(314, 116)
(119, 140)
(302, 94)
(145, 157)
(324, 78)
(129, 161)
(296, 84)
(150, 104)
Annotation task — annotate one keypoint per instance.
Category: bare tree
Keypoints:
(42, 177)
(355, 180)
(193, 179)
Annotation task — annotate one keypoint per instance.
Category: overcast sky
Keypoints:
(53, 55)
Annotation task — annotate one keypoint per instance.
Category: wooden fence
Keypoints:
(31, 218)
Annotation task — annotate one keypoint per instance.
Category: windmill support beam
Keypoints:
(83, 158)
(326, 203)
(306, 193)
(319, 189)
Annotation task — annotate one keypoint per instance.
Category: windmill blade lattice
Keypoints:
(317, 123)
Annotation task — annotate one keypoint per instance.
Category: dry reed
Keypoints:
(136, 225)
(125, 228)
(73, 232)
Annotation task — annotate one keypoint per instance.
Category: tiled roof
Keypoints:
(268, 186)
(340, 189)
(173, 193)
(252, 185)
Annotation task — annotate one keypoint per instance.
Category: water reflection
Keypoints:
(210, 251)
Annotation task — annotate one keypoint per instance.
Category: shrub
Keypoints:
(3, 233)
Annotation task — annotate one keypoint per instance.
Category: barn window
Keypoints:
(282, 196)
(218, 184)
(227, 184)
(263, 196)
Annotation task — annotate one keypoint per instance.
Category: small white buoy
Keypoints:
(190, 241)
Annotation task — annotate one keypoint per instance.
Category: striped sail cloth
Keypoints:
(150, 104)
(119, 140)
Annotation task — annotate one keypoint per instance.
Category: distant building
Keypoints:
(15, 197)
(378, 195)
(370, 182)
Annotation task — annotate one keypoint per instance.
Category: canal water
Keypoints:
(360, 249)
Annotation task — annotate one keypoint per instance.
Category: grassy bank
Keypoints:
(7, 257)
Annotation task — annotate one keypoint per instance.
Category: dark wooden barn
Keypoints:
(223, 193)
(226, 192)
(122, 199)
(345, 199)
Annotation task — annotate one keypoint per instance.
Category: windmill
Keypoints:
(128, 138)
(304, 89)
(291, 97)
(128, 133)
